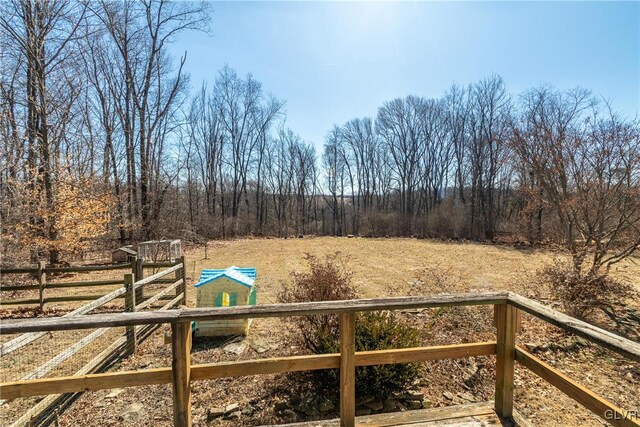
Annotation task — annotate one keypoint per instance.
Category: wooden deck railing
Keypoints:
(182, 372)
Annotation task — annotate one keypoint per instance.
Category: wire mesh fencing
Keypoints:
(53, 354)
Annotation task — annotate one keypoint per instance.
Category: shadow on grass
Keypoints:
(209, 343)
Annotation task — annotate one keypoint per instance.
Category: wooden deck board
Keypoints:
(468, 415)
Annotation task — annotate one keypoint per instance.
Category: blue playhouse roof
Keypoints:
(244, 276)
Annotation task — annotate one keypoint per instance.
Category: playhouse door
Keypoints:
(225, 299)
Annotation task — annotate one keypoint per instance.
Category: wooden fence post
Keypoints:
(137, 271)
(130, 306)
(42, 280)
(347, 370)
(183, 275)
(181, 373)
(506, 324)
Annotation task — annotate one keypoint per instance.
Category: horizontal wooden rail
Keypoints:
(26, 388)
(332, 361)
(84, 284)
(158, 264)
(85, 383)
(70, 269)
(590, 400)
(265, 366)
(57, 285)
(24, 270)
(9, 288)
(244, 312)
(585, 330)
(83, 268)
(19, 301)
(424, 354)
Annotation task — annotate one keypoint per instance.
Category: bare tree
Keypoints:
(399, 124)
(488, 120)
(41, 35)
(141, 31)
(586, 160)
(91, 102)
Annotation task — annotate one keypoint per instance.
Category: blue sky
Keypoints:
(334, 61)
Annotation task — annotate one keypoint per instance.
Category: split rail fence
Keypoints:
(507, 309)
(139, 294)
(41, 272)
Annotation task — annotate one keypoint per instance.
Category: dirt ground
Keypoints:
(380, 267)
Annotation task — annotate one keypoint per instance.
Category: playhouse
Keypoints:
(225, 288)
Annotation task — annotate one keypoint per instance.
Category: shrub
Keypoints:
(379, 224)
(374, 331)
(582, 294)
(328, 280)
(446, 221)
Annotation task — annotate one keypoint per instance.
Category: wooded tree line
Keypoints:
(425, 166)
(102, 137)
(90, 100)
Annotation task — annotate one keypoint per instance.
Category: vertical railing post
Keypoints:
(347, 370)
(130, 306)
(181, 373)
(42, 280)
(183, 275)
(506, 324)
(136, 270)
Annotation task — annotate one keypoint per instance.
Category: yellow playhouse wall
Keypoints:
(206, 296)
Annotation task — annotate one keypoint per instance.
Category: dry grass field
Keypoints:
(387, 267)
(380, 267)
